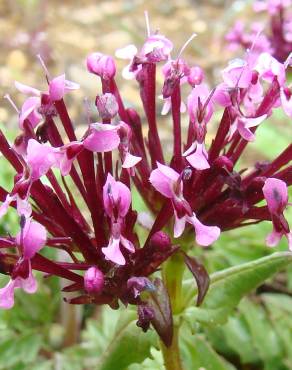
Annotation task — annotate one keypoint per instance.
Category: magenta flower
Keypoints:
(190, 186)
(157, 48)
(29, 241)
(276, 195)
(117, 201)
(169, 183)
(41, 102)
(243, 125)
(102, 138)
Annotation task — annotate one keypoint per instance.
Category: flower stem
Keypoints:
(172, 275)
(171, 355)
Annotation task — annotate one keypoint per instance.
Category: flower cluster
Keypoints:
(276, 41)
(196, 189)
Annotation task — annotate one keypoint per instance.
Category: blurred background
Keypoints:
(43, 333)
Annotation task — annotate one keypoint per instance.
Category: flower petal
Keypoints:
(7, 295)
(179, 225)
(127, 52)
(163, 178)
(34, 238)
(131, 160)
(113, 253)
(103, 138)
(57, 88)
(276, 194)
(116, 194)
(205, 235)
(27, 90)
(199, 159)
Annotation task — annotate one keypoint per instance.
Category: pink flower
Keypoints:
(276, 194)
(29, 241)
(117, 201)
(128, 160)
(29, 285)
(157, 48)
(243, 125)
(40, 158)
(200, 104)
(169, 183)
(102, 138)
(42, 101)
(269, 68)
(116, 198)
(198, 159)
(59, 86)
(65, 155)
(237, 74)
(272, 6)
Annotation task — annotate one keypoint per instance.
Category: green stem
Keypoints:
(172, 275)
(171, 355)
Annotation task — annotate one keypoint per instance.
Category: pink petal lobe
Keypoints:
(245, 132)
(127, 244)
(273, 238)
(179, 226)
(7, 295)
(116, 194)
(103, 138)
(276, 194)
(29, 285)
(113, 253)
(131, 160)
(286, 103)
(205, 235)
(40, 158)
(57, 88)
(29, 111)
(34, 238)
(27, 90)
(199, 159)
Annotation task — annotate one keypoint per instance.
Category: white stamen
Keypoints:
(8, 97)
(248, 51)
(185, 45)
(147, 23)
(254, 41)
(44, 66)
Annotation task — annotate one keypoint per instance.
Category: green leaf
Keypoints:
(129, 345)
(230, 285)
(19, 350)
(263, 336)
(279, 307)
(198, 354)
(233, 338)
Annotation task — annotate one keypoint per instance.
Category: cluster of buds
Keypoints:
(276, 41)
(193, 190)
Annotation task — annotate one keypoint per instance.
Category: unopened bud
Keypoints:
(107, 106)
(195, 76)
(160, 240)
(93, 280)
(101, 65)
